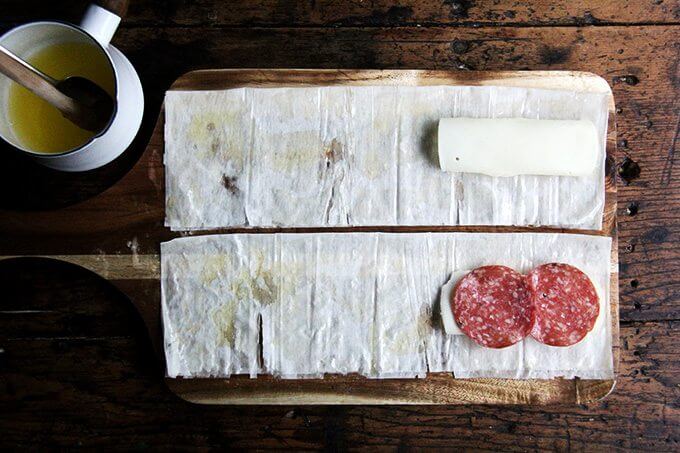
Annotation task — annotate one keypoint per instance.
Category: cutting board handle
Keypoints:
(117, 7)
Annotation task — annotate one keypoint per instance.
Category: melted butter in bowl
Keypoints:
(37, 125)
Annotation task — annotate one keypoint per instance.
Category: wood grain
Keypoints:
(385, 13)
(117, 7)
(376, 13)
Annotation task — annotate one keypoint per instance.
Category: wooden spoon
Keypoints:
(79, 100)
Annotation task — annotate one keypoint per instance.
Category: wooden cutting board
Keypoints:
(117, 233)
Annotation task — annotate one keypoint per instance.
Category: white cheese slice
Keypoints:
(518, 146)
(450, 326)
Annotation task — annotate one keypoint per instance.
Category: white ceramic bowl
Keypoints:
(97, 28)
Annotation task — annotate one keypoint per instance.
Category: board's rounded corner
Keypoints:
(594, 392)
(601, 81)
(174, 386)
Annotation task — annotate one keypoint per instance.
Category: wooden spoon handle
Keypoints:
(40, 84)
(117, 7)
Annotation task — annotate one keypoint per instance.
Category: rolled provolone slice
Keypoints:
(518, 146)
(450, 326)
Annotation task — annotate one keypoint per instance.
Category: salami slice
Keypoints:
(565, 302)
(492, 306)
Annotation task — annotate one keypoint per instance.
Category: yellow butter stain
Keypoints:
(170, 203)
(213, 266)
(234, 151)
(334, 151)
(224, 320)
(425, 324)
(203, 126)
(300, 151)
(207, 133)
(258, 286)
(304, 151)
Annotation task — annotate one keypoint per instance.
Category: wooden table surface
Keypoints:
(76, 364)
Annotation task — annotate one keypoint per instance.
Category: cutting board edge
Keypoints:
(576, 391)
(218, 79)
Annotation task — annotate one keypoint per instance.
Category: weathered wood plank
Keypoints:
(35, 304)
(376, 13)
(95, 391)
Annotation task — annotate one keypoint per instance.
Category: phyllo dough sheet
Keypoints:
(305, 305)
(350, 155)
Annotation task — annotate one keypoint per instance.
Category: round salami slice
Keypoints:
(492, 306)
(565, 302)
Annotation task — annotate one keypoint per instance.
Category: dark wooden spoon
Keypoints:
(79, 100)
